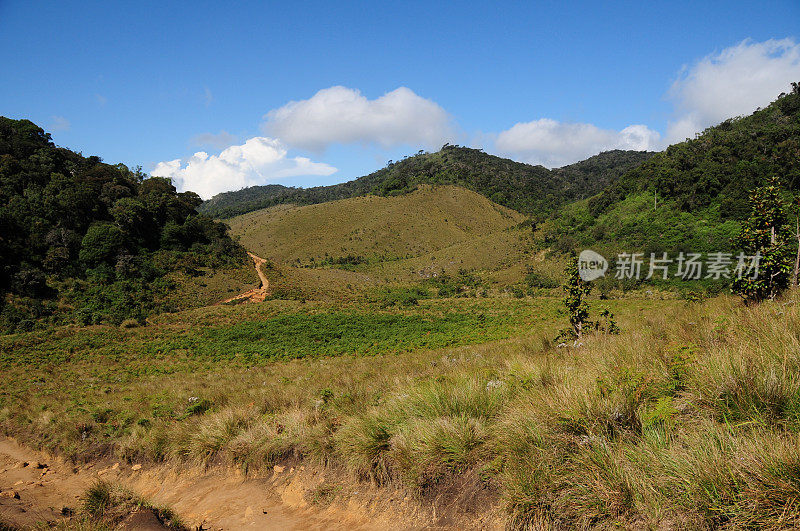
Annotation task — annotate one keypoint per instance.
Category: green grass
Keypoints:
(86, 386)
(400, 239)
(104, 505)
(312, 330)
(687, 419)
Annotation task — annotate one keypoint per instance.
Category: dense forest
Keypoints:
(721, 165)
(84, 240)
(533, 190)
(693, 196)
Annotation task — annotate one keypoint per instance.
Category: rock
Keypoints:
(141, 520)
(136, 467)
(9, 494)
(278, 469)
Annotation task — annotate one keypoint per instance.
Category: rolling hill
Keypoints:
(533, 190)
(369, 241)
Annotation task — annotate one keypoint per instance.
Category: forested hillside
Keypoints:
(92, 241)
(692, 196)
(721, 166)
(532, 190)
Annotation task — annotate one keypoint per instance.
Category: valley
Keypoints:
(415, 348)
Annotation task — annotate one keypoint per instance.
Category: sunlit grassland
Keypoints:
(80, 387)
(399, 239)
(688, 419)
(424, 221)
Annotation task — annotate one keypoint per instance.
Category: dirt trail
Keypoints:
(257, 294)
(39, 489)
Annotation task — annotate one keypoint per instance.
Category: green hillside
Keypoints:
(529, 189)
(693, 196)
(719, 167)
(364, 242)
(87, 241)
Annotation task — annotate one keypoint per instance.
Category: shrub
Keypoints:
(407, 296)
(535, 279)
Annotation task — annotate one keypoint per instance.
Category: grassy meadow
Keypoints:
(687, 419)
(340, 249)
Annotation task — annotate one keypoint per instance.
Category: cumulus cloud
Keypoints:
(552, 143)
(59, 123)
(221, 140)
(260, 160)
(341, 115)
(733, 82)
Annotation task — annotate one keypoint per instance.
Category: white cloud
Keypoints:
(341, 115)
(552, 143)
(260, 160)
(220, 140)
(59, 123)
(733, 82)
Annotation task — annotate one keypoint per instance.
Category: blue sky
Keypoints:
(544, 82)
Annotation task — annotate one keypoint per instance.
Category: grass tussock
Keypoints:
(105, 505)
(687, 420)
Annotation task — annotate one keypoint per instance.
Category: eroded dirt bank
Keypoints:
(41, 489)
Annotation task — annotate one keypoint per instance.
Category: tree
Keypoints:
(132, 217)
(101, 243)
(576, 290)
(766, 233)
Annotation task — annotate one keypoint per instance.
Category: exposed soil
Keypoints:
(257, 294)
(40, 489)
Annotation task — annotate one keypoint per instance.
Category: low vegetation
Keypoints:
(104, 506)
(350, 248)
(689, 416)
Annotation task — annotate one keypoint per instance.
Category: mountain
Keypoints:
(532, 190)
(84, 240)
(721, 165)
(692, 196)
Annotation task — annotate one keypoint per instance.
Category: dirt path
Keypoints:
(258, 294)
(38, 489)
